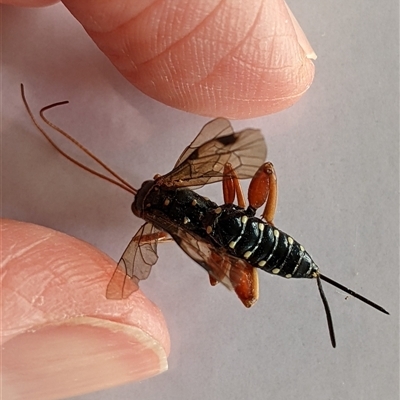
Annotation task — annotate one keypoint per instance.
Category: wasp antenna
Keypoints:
(327, 311)
(352, 293)
(122, 183)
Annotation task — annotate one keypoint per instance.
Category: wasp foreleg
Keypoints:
(159, 237)
(231, 187)
(136, 261)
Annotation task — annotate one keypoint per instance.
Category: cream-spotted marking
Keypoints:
(276, 234)
(209, 229)
(261, 263)
(166, 202)
(194, 202)
(247, 254)
(233, 243)
(186, 220)
(297, 265)
(283, 264)
(275, 271)
(218, 210)
(260, 236)
(301, 248)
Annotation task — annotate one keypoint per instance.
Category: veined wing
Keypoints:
(211, 130)
(233, 272)
(203, 161)
(135, 263)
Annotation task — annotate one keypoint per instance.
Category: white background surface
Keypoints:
(336, 155)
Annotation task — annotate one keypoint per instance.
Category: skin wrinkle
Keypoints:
(21, 298)
(39, 289)
(94, 22)
(177, 52)
(263, 97)
(171, 63)
(190, 33)
(65, 270)
(240, 43)
(261, 89)
(185, 90)
(21, 252)
(269, 55)
(121, 25)
(130, 22)
(193, 31)
(227, 54)
(263, 100)
(188, 36)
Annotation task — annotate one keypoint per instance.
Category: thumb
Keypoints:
(214, 58)
(60, 336)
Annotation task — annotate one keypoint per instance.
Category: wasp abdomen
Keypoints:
(261, 244)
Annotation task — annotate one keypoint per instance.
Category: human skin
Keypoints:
(58, 331)
(235, 59)
(224, 58)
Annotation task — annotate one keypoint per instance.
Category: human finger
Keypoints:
(60, 336)
(232, 59)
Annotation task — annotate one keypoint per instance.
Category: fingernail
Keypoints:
(78, 356)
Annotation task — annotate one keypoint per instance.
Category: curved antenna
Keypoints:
(122, 183)
(320, 278)
(327, 311)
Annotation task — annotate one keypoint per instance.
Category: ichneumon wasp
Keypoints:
(227, 240)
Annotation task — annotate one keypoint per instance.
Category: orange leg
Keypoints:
(264, 189)
(236, 274)
(160, 237)
(213, 281)
(231, 187)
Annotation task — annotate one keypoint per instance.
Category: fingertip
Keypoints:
(301, 36)
(56, 318)
(237, 60)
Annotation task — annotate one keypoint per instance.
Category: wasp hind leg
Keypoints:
(242, 275)
(264, 189)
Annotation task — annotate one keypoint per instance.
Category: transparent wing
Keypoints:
(234, 273)
(204, 159)
(135, 263)
(211, 130)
